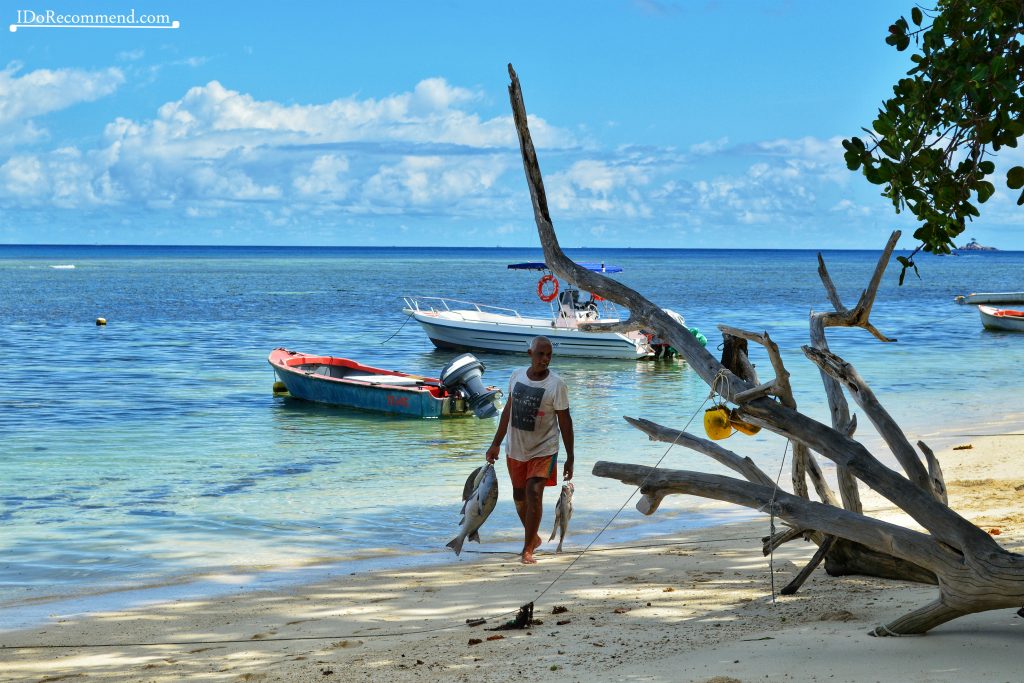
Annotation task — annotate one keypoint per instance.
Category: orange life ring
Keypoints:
(540, 288)
(597, 297)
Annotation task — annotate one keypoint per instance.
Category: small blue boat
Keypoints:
(345, 382)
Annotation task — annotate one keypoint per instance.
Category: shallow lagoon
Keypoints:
(152, 450)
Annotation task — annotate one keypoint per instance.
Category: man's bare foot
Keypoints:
(527, 553)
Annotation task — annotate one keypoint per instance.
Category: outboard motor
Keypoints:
(465, 373)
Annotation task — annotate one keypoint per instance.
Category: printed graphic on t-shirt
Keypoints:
(525, 404)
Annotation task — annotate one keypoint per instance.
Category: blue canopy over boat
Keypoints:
(540, 265)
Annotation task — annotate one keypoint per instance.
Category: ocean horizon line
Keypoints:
(464, 248)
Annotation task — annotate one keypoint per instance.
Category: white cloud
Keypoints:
(23, 175)
(431, 181)
(430, 114)
(436, 94)
(850, 208)
(324, 177)
(217, 145)
(231, 184)
(808, 148)
(43, 91)
(131, 55)
(709, 147)
(191, 61)
(822, 157)
(603, 187)
(765, 193)
(221, 153)
(596, 177)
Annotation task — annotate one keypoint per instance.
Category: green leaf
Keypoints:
(873, 176)
(916, 16)
(987, 167)
(1015, 178)
(985, 190)
(891, 150)
(883, 125)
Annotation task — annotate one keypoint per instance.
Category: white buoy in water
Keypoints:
(101, 321)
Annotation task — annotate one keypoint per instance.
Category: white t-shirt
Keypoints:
(533, 425)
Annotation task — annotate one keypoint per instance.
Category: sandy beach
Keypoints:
(691, 607)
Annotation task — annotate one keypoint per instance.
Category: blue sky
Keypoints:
(658, 124)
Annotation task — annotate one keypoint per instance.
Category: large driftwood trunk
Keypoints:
(972, 571)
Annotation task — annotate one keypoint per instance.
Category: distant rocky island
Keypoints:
(974, 246)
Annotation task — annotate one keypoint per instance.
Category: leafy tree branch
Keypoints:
(962, 102)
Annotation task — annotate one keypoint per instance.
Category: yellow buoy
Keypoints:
(716, 423)
(280, 388)
(101, 321)
(742, 426)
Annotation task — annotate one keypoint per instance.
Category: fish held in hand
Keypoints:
(563, 513)
(480, 495)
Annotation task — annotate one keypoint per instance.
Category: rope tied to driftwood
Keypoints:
(721, 378)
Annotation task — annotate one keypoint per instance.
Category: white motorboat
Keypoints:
(463, 325)
(992, 298)
(1001, 319)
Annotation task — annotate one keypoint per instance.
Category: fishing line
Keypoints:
(771, 523)
(720, 376)
(229, 641)
(393, 634)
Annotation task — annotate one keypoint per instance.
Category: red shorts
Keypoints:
(537, 468)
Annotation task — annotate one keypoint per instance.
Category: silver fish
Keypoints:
(480, 501)
(563, 513)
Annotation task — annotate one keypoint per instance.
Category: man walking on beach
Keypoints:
(536, 412)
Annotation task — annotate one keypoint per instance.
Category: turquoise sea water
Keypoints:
(152, 451)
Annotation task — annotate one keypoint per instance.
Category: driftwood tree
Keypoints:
(972, 572)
